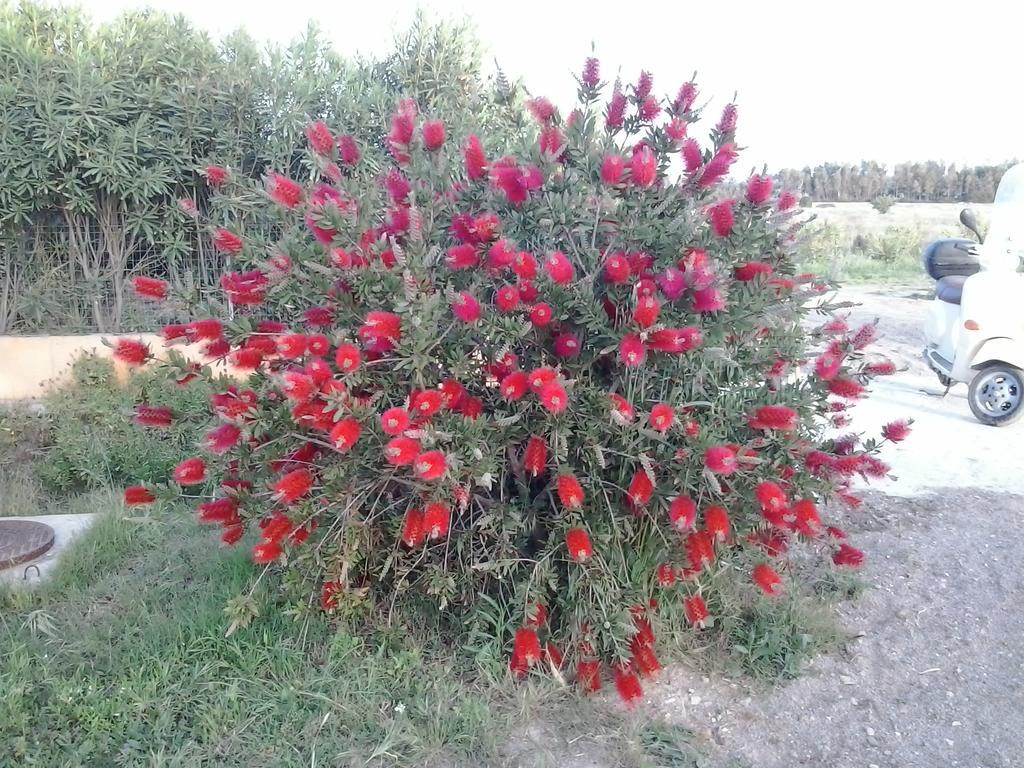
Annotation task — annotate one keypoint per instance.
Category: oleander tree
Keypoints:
(573, 382)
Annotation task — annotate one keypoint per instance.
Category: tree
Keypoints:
(550, 388)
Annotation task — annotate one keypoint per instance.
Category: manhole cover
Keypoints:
(23, 540)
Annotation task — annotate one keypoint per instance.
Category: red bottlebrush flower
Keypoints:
(541, 376)
(461, 257)
(718, 166)
(644, 84)
(551, 141)
(771, 496)
(401, 451)
(865, 335)
(245, 288)
(848, 389)
(526, 646)
(247, 359)
(632, 351)
(344, 434)
(577, 541)
(232, 534)
(616, 268)
(319, 345)
(174, 332)
(190, 472)
(700, 548)
(220, 511)
(627, 684)
(672, 283)
(759, 189)
(721, 459)
(541, 109)
(896, 431)
(662, 416)
(591, 73)
(394, 421)
(222, 439)
(537, 615)
(691, 428)
(828, 363)
(381, 331)
(137, 496)
(666, 575)
(646, 312)
(727, 122)
(471, 407)
(525, 265)
(433, 135)
(540, 314)
(685, 98)
(507, 299)
(347, 358)
(205, 330)
(216, 176)
(465, 307)
(693, 158)
(413, 531)
(696, 610)
(153, 416)
(437, 519)
(320, 139)
(514, 385)
(622, 410)
(767, 580)
(501, 255)
(721, 217)
(875, 468)
(298, 387)
(567, 345)
(131, 351)
(588, 675)
(292, 486)
(329, 595)
(217, 348)
(643, 167)
(649, 109)
(570, 492)
(475, 159)
(348, 150)
(786, 201)
(641, 488)
(397, 186)
(292, 346)
(431, 465)
(848, 557)
(452, 393)
(612, 168)
(883, 368)
(150, 288)
(318, 317)
(777, 417)
(426, 403)
(228, 242)
(616, 112)
(283, 190)
(682, 513)
(748, 272)
(266, 552)
(716, 522)
(676, 129)
(559, 268)
(645, 661)
(806, 518)
(553, 397)
(535, 457)
(706, 300)
(675, 340)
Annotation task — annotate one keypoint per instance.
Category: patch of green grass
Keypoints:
(122, 660)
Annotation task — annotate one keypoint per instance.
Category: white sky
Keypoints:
(816, 81)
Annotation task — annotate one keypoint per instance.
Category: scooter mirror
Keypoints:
(970, 220)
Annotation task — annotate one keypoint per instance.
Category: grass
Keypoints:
(122, 660)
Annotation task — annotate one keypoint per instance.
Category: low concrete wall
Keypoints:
(30, 364)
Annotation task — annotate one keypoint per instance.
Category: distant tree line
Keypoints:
(930, 182)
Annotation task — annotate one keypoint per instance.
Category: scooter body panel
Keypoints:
(993, 305)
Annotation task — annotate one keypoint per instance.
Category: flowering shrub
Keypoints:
(569, 380)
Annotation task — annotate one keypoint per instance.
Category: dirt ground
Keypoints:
(933, 672)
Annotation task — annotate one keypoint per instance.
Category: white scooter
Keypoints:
(975, 326)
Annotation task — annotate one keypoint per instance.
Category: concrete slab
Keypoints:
(66, 528)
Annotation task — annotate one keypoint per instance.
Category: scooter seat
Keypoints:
(950, 288)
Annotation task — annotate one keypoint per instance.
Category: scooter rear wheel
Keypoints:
(996, 395)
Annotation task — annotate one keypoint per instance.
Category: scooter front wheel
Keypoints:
(996, 395)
